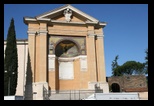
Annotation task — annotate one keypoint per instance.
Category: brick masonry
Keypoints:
(130, 83)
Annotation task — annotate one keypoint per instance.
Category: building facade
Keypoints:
(65, 52)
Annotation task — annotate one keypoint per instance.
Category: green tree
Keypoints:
(130, 68)
(118, 71)
(10, 62)
(114, 66)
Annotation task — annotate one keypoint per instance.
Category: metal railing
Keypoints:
(69, 94)
(45, 94)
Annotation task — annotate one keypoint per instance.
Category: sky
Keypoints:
(125, 35)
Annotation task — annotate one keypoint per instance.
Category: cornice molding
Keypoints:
(37, 32)
(50, 21)
(73, 9)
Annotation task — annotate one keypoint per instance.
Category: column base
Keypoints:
(99, 86)
(40, 90)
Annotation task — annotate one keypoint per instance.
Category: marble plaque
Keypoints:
(83, 63)
(51, 62)
(66, 70)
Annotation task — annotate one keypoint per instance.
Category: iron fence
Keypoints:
(68, 94)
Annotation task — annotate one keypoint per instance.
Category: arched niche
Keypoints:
(67, 48)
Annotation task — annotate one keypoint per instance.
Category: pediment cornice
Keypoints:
(59, 11)
(63, 8)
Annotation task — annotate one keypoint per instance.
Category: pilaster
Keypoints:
(31, 52)
(91, 53)
(100, 55)
(43, 52)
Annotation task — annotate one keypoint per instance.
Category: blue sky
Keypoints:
(126, 32)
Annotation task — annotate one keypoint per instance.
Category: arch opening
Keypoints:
(115, 87)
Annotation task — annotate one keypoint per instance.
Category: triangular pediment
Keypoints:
(59, 14)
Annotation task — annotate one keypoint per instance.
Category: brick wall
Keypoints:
(130, 83)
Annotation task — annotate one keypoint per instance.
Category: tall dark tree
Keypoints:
(114, 66)
(10, 62)
(146, 62)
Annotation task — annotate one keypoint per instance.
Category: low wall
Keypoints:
(119, 96)
(143, 95)
(13, 97)
(116, 96)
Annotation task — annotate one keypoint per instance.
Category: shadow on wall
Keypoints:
(28, 85)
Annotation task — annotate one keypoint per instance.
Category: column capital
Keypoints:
(91, 35)
(37, 32)
(32, 32)
(43, 32)
(100, 35)
(97, 35)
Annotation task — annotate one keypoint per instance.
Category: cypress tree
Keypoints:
(146, 63)
(10, 62)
